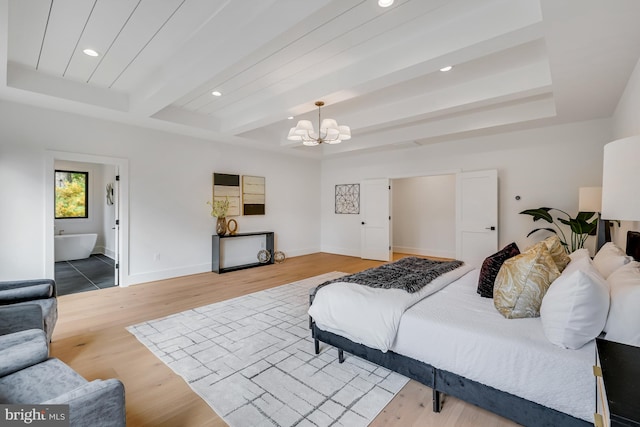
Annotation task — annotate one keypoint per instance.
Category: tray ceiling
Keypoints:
(516, 64)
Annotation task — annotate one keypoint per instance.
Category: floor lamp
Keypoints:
(590, 200)
(621, 180)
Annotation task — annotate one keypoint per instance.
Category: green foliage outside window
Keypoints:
(71, 194)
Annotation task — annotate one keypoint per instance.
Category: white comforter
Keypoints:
(370, 316)
(458, 331)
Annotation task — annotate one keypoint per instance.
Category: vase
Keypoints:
(221, 226)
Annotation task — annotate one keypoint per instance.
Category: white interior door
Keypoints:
(375, 235)
(476, 215)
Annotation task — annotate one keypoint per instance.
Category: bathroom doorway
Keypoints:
(85, 245)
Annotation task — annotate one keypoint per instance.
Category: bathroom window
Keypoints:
(72, 194)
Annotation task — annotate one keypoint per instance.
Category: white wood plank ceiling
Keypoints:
(517, 64)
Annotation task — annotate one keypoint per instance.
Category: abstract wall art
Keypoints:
(348, 198)
(227, 186)
(253, 195)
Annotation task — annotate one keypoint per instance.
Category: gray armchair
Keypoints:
(41, 292)
(29, 376)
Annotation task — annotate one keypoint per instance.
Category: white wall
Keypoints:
(423, 215)
(626, 119)
(544, 166)
(626, 122)
(169, 185)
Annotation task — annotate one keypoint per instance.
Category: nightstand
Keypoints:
(618, 384)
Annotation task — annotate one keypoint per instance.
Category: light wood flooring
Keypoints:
(90, 336)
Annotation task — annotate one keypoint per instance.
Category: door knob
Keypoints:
(362, 222)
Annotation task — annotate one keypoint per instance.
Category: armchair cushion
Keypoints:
(39, 383)
(41, 283)
(101, 401)
(49, 309)
(25, 293)
(39, 291)
(97, 403)
(20, 317)
(22, 349)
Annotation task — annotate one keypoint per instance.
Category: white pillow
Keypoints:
(623, 324)
(574, 310)
(579, 263)
(579, 254)
(609, 258)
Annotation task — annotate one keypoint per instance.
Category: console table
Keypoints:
(215, 251)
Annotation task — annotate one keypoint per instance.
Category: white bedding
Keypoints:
(367, 315)
(461, 332)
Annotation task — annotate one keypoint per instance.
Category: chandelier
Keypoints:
(328, 131)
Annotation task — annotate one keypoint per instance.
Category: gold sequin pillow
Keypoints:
(523, 281)
(557, 251)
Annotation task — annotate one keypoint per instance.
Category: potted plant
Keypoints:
(219, 209)
(582, 226)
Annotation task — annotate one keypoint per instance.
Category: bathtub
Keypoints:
(73, 246)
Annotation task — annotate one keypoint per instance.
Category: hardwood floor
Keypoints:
(90, 336)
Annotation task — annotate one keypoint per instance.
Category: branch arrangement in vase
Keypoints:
(219, 208)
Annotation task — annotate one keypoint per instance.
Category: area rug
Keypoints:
(252, 360)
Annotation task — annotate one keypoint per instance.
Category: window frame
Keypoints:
(86, 194)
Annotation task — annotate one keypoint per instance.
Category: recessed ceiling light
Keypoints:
(385, 3)
(216, 93)
(90, 52)
(290, 118)
(447, 68)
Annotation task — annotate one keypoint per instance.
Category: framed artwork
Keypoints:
(348, 198)
(227, 186)
(253, 195)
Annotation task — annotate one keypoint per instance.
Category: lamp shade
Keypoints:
(310, 142)
(292, 135)
(345, 132)
(303, 127)
(328, 124)
(621, 179)
(590, 199)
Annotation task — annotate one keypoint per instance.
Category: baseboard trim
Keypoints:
(424, 252)
(153, 276)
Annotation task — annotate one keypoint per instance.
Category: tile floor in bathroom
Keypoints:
(95, 272)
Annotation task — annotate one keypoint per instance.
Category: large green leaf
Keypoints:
(585, 216)
(540, 213)
(538, 229)
(579, 225)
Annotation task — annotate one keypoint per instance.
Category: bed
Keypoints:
(507, 366)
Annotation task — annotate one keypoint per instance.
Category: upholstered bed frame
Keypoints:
(442, 382)
(633, 244)
(515, 408)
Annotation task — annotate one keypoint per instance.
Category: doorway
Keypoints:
(463, 210)
(423, 215)
(408, 216)
(84, 226)
(105, 265)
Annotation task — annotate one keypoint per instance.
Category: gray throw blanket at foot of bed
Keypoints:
(409, 274)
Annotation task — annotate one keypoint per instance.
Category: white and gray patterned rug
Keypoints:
(251, 359)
